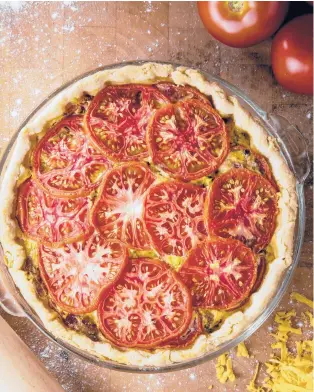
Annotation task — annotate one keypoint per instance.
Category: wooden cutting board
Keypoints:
(20, 369)
(44, 44)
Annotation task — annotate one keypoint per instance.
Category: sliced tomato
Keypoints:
(242, 205)
(148, 306)
(176, 93)
(117, 119)
(241, 156)
(261, 270)
(51, 220)
(264, 169)
(76, 273)
(118, 209)
(173, 216)
(188, 140)
(187, 338)
(65, 162)
(220, 273)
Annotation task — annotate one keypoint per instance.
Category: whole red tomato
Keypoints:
(242, 23)
(292, 55)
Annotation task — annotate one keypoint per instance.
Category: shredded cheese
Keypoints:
(252, 387)
(291, 373)
(300, 298)
(224, 369)
(242, 351)
(288, 372)
(283, 319)
(308, 315)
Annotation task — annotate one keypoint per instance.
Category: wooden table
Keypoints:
(42, 45)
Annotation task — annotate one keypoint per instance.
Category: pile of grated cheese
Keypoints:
(290, 373)
(286, 372)
(224, 369)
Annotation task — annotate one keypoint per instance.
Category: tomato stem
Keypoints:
(236, 6)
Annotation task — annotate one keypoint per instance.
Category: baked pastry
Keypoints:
(146, 216)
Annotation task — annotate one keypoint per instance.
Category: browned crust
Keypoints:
(282, 241)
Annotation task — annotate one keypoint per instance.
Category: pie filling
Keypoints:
(146, 217)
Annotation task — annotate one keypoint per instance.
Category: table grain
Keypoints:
(43, 45)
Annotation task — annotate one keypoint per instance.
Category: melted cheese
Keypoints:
(31, 249)
(205, 181)
(211, 318)
(270, 254)
(25, 173)
(232, 158)
(241, 137)
(137, 253)
(175, 261)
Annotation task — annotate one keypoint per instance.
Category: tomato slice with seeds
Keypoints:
(264, 169)
(173, 216)
(76, 273)
(241, 156)
(220, 273)
(176, 93)
(65, 162)
(188, 140)
(148, 306)
(117, 120)
(51, 220)
(243, 205)
(118, 209)
(188, 337)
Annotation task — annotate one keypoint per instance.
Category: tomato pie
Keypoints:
(146, 216)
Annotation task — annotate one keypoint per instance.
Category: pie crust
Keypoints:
(282, 240)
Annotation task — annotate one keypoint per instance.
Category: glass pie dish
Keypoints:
(293, 148)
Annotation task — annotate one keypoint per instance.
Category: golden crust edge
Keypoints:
(282, 240)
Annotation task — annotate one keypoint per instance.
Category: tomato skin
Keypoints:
(176, 93)
(173, 216)
(50, 220)
(188, 139)
(118, 209)
(117, 119)
(252, 23)
(148, 306)
(292, 55)
(77, 273)
(242, 204)
(65, 162)
(220, 273)
(189, 336)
